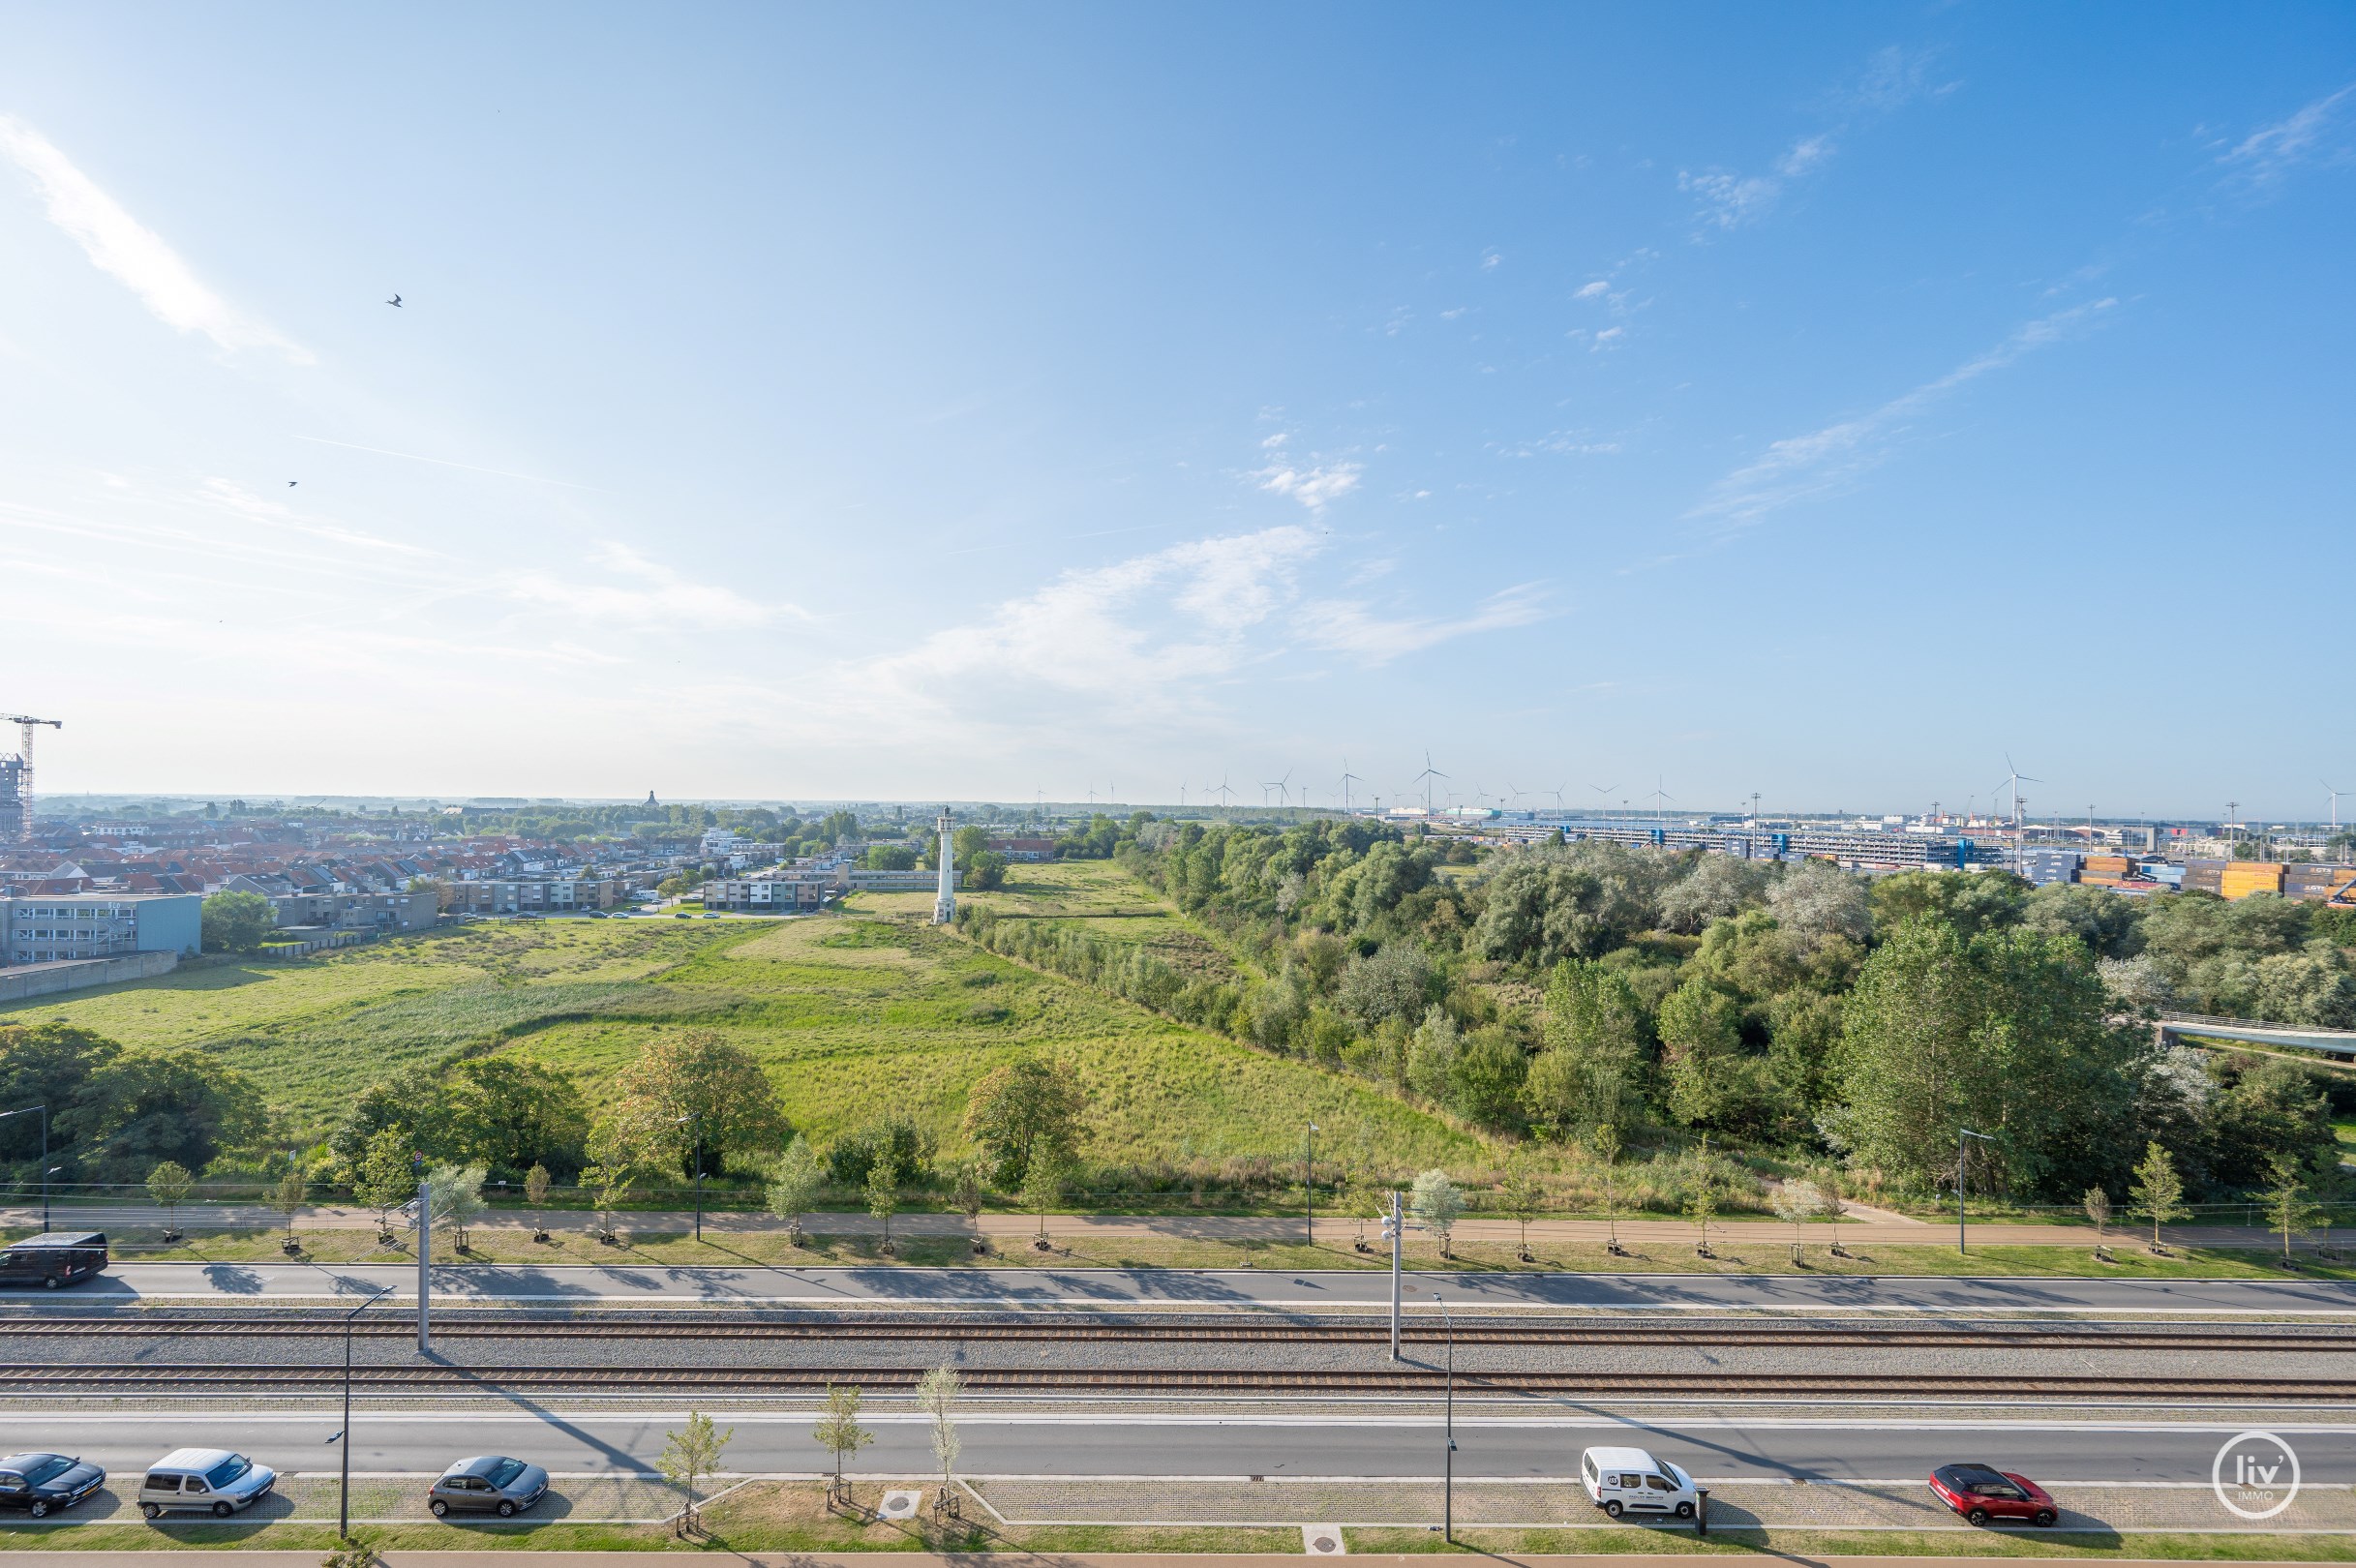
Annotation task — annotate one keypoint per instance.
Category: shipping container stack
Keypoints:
(2045, 867)
(2316, 881)
(2242, 878)
(2105, 871)
(2205, 876)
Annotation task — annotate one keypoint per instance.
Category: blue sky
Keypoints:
(897, 402)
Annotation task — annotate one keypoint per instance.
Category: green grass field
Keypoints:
(852, 1015)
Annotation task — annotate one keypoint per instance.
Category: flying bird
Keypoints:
(291, 483)
(395, 301)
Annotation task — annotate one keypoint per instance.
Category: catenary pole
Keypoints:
(425, 1266)
(1397, 1226)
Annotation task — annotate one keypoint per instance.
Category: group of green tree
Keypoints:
(690, 1101)
(1558, 989)
(115, 1112)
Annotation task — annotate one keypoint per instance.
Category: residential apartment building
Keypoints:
(787, 894)
(58, 927)
(1023, 849)
(360, 911)
(535, 896)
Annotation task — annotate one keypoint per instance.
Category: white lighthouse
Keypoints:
(945, 902)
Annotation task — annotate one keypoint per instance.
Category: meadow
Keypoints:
(853, 1015)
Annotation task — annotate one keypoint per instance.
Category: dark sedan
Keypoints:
(39, 1483)
(488, 1484)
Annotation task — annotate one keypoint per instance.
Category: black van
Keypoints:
(53, 1259)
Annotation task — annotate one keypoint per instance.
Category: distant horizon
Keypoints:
(293, 799)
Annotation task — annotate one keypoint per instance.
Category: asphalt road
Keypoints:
(283, 1284)
(1147, 1444)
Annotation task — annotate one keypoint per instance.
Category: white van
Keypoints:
(1630, 1480)
(211, 1479)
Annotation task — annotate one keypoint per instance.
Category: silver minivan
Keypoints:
(212, 1480)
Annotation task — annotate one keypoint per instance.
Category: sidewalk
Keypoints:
(1882, 1230)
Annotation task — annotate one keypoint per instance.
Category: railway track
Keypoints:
(1059, 1330)
(22, 1380)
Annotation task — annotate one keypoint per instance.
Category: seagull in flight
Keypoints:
(291, 483)
(395, 301)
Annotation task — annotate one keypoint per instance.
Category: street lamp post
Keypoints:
(46, 1170)
(344, 1489)
(1962, 1133)
(1447, 1517)
(1309, 1181)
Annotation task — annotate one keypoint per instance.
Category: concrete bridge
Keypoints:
(2336, 1043)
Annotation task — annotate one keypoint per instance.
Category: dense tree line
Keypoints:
(1564, 988)
(115, 1112)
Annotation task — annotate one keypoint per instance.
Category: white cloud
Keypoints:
(654, 594)
(2267, 154)
(1349, 627)
(1606, 337)
(1490, 261)
(1314, 487)
(1730, 200)
(1805, 155)
(119, 245)
(1593, 290)
(1827, 460)
(1272, 442)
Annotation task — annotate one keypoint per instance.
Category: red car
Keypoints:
(1982, 1494)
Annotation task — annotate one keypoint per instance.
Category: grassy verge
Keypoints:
(1746, 1256)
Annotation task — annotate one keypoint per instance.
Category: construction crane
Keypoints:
(16, 778)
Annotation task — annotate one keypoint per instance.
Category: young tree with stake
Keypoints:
(689, 1458)
(169, 1186)
(1702, 1197)
(884, 1192)
(1605, 1142)
(2098, 1214)
(2159, 1191)
(1438, 1204)
(2286, 1205)
(537, 1183)
(1522, 1196)
(840, 1434)
(1797, 1201)
(937, 1393)
(965, 1197)
(1043, 1186)
(794, 1182)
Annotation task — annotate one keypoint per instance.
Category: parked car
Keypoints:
(1630, 1480)
(212, 1480)
(54, 1259)
(491, 1484)
(39, 1483)
(1983, 1493)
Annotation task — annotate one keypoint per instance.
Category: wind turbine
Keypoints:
(1557, 794)
(2014, 780)
(1659, 795)
(2327, 784)
(1605, 790)
(1226, 795)
(1346, 780)
(1425, 778)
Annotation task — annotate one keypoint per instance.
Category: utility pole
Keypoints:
(1447, 1527)
(425, 1267)
(1961, 1133)
(1393, 1226)
(344, 1489)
